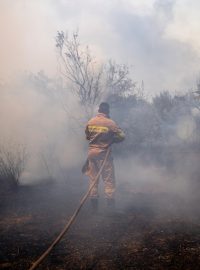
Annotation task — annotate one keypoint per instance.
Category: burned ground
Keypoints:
(146, 231)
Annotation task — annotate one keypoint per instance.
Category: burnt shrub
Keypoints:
(12, 164)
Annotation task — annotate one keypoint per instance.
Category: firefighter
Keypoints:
(101, 132)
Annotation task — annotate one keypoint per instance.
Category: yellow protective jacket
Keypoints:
(101, 131)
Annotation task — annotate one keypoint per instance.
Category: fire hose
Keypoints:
(72, 219)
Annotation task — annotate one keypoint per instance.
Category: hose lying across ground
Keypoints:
(69, 223)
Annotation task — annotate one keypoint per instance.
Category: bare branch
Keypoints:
(12, 164)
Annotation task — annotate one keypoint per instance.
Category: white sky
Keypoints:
(160, 39)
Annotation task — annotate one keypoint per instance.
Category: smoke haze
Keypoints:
(149, 51)
(158, 38)
(38, 122)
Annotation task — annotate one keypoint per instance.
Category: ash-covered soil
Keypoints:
(146, 230)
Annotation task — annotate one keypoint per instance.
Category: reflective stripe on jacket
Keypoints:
(101, 132)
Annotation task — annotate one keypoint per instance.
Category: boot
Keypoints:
(94, 205)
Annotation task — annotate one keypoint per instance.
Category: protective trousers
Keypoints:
(107, 174)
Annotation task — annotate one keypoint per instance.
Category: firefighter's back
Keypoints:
(100, 132)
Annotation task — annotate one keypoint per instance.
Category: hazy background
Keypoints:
(159, 39)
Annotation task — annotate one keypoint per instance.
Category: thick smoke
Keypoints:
(159, 38)
(37, 120)
(141, 34)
